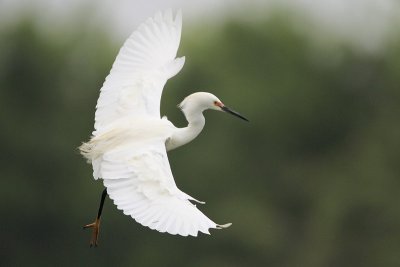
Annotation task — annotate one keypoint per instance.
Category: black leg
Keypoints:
(103, 197)
(96, 224)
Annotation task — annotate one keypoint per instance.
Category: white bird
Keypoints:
(128, 148)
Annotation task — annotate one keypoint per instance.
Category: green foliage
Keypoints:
(312, 180)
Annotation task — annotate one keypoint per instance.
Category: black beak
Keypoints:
(228, 110)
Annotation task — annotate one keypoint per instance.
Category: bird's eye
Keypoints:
(218, 104)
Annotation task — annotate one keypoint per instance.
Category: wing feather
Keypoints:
(127, 149)
(150, 194)
(142, 67)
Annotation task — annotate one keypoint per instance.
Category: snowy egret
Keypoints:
(128, 148)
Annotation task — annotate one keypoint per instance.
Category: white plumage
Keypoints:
(130, 140)
(144, 64)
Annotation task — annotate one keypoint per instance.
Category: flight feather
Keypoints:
(142, 67)
(127, 149)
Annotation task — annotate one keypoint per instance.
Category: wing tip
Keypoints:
(168, 16)
(178, 17)
(223, 226)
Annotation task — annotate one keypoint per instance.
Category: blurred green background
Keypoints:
(312, 180)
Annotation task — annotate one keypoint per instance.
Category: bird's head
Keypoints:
(201, 101)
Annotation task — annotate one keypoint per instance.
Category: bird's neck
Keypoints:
(195, 126)
(186, 134)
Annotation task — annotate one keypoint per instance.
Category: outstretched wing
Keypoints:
(127, 149)
(144, 64)
(134, 166)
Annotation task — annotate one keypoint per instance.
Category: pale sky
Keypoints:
(364, 21)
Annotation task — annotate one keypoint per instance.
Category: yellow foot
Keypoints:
(95, 232)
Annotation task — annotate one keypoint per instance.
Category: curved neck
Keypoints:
(195, 126)
(184, 135)
(195, 119)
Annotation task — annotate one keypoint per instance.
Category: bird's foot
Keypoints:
(95, 232)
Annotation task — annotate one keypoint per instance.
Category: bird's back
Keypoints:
(127, 132)
(127, 149)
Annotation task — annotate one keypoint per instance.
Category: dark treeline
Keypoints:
(312, 180)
